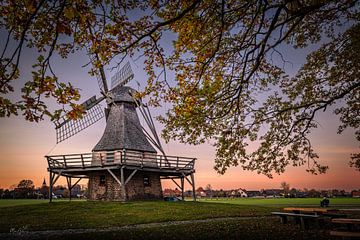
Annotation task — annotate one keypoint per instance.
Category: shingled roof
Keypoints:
(123, 129)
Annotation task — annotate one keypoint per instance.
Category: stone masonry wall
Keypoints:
(135, 189)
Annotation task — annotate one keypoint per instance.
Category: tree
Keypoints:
(24, 189)
(26, 184)
(225, 55)
(209, 190)
(286, 187)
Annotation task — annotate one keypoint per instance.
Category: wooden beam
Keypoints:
(193, 186)
(76, 183)
(51, 186)
(57, 177)
(188, 180)
(123, 189)
(131, 175)
(68, 179)
(182, 188)
(175, 182)
(114, 176)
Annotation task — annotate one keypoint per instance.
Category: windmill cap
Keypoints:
(122, 94)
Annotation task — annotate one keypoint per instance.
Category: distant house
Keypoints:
(172, 192)
(272, 192)
(209, 192)
(253, 193)
(188, 193)
(168, 192)
(355, 193)
(177, 192)
(200, 192)
(238, 193)
(60, 192)
(76, 191)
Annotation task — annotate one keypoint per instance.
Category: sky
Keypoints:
(23, 145)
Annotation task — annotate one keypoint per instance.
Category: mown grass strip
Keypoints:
(84, 214)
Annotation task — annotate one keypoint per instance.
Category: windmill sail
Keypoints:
(123, 76)
(66, 128)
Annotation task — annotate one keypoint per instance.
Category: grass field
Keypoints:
(83, 214)
(253, 218)
(239, 201)
(285, 201)
(19, 202)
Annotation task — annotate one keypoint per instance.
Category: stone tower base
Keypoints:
(142, 186)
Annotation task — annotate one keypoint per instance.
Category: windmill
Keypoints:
(124, 164)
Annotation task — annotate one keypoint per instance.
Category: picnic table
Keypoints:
(311, 210)
(350, 225)
(302, 219)
(325, 212)
(304, 216)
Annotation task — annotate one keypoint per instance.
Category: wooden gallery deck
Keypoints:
(122, 166)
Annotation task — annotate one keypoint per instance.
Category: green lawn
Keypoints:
(17, 202)
(253, 229)
(84, 214)
(32, 215)
(285, 201)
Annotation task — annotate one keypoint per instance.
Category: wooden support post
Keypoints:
(51, 186)
(76, 183)
(129, 177)
(124, 159)
(142, 160)
(172, 179)
(57, 177)
(182, 188)
(68, 179)
(64, 161)
(123, 189)
(82, 161)
(114, 176)
(193, 186)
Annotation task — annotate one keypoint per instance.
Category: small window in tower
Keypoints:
(146, 181)
(102, 180)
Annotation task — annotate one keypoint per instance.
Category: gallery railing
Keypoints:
(110, 158)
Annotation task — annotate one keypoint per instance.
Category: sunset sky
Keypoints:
(23, 145)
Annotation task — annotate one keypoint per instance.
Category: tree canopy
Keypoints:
(230, 85)
(26, 184)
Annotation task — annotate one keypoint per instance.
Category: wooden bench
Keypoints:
(350, 231)
(344, 234)
(324, 212)
(303, 219)
(311, 210)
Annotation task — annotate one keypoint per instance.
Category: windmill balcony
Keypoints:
(116, 159)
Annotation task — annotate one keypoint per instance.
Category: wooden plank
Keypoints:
(172, 179)
(51, 176)
(302, 219)
(123, 189)
(182, 188)
(346, 220)
(193, 186)
(317, 210)
(344, 234)
(113, 175)
(294, 215)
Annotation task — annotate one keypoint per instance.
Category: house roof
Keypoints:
(123, 129)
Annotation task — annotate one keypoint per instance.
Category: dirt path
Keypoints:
(20, 234)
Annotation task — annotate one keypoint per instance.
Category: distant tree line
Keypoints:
(285, 191)
(26, 189)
